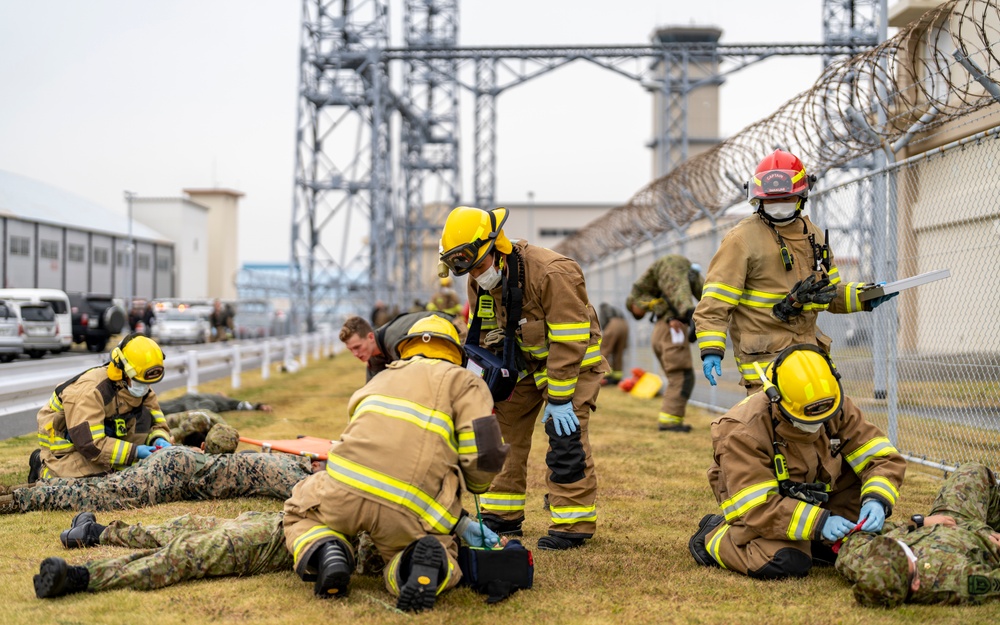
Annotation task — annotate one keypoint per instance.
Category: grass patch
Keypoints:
(652, 492)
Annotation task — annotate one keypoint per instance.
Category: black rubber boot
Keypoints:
(675, 427)
(84, 531)
(427, 564)
(697, 543)
(34, 465)
(335, 566)
(559, 542)
(503, 527)
(56, 578)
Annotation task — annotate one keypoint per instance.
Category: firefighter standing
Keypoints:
(106, 418)
(418, 432)
(771, 276)
(614, 340)
(560, 340)
(794, 465)
(668, 289)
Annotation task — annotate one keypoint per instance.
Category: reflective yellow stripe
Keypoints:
(713, 544)
(392, 490)
(750, 373)
(317, 532)
(748, 499)
(573, 514)
(45, 473)
(592, 356)
(541, 378)
(502, 501)
(467, 443)
(54, 443)
(670, 419)
(158, 417)
(119, 451)
(723, 292)
(760, 299)
(562, 388)
(566, 332)
(880, 486)
(411, 412)
(710, 339)
(834, 275)
(860, 457)
(97, 431)
(55, 404)
(852, 296)
(803, 523)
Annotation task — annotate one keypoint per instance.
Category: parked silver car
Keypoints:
(184, 324)
(41, 330)
(11, 332)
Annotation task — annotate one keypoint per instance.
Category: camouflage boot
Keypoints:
(56, 578)
(8, 505)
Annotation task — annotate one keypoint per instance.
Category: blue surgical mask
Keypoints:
(137, 389)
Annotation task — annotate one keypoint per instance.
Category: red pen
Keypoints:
(840, 541)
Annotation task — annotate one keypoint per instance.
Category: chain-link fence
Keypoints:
(924, 367)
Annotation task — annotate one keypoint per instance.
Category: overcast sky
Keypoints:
(107, 95)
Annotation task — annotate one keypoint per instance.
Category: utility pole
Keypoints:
(129, 252)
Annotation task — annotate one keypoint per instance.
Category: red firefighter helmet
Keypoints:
(780, 175)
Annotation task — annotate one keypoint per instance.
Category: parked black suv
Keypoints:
(96, 318)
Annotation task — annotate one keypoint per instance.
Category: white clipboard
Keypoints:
(878, 290)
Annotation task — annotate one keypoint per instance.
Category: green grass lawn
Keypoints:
(637, 569)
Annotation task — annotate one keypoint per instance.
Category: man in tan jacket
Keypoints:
(106, 418)
(796, 468)
(771, 277)
(541, 298)
(419, 432)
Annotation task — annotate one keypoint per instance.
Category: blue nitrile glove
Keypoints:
(475, 534)
(564, 418)
(874, 514)
(710, 362)
(836, 527)
(873, 303)
(144, 451)
(161, 442)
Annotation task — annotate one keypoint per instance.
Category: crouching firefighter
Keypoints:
(534, 302)
(419, 432)
(796, 468)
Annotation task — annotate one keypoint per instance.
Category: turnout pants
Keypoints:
(675, 358)
(741, 549)
(190, 547)
(571, 478)
(613, 343)
(321, 510)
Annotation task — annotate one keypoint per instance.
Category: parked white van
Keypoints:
(60, 305)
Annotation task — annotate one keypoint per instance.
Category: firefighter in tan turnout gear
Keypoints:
(558, 351)
(796, 468)
(107, 418)
(668, 289)
(419, 432)
(771, 277)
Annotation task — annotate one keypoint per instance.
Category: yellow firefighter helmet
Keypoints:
(432, 337)
(470, 234)
(137, 357)
(808, 382)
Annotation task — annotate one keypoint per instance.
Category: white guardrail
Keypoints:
(28, 390)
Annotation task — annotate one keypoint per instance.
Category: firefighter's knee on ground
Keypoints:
(787, 562)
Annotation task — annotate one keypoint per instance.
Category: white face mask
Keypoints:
(810, 428)
(137, 389)
(781, 211)
(489, 279)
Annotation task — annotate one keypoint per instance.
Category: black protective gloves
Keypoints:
(807, 291)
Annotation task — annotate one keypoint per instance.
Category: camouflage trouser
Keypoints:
(172, 474)
(199, 401)
(675, 358)
(191, 547)
(954, 565)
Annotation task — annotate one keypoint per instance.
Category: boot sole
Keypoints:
(420, 590)
(51, 578)
(703, 558)
(335, 584)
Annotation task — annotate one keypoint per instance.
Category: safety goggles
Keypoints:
(463, 258)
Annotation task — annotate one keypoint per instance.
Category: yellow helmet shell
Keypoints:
(467, 224)
(809, 384)
(432, 337)
(137, 357)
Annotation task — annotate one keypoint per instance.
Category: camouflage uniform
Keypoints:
(204, 401)
(184, 424)
(191, 547)
(955, 565)
(670, 281)
(171, 474)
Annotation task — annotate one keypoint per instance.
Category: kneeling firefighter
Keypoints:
(796, 468)
(533, 302)
(418, 432)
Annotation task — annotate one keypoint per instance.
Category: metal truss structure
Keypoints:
(356, 236)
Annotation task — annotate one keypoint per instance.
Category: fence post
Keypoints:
(192, 366)
(317, 338)
(288, 356)
(305, 350)
(237, 367)
(265, 360)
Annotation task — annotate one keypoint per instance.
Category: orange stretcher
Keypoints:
(308, 446)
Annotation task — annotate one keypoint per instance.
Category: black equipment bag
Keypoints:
(498, 573)
(499, 372)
